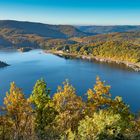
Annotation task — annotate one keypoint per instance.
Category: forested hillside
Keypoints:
(133, 37)
(22, 34)
(117, 47)
(67, 116)
(44, 30)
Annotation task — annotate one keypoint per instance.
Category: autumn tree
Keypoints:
(5, 127)
(69, 106)
(19, 113)
(102, 125)
(99, 97)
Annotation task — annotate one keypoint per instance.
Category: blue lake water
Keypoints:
(28, 67)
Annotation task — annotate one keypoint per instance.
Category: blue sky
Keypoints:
(75, 12)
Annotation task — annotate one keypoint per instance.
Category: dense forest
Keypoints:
(67, 116)
(121, 47)
(121, 51)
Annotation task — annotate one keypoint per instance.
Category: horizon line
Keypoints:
(39, 22)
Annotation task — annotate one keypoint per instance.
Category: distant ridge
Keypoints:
(44, 30)
(20, 34)
(61, 31)
(95, 29)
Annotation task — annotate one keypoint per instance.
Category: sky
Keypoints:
(74, 12)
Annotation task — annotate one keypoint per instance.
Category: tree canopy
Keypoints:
(67, 116)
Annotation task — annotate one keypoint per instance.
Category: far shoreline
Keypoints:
(133, 66)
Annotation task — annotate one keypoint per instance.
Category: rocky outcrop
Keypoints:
(3, 64)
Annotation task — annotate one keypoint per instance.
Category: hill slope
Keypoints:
(115, 47)
(131, 37)
(44, 30)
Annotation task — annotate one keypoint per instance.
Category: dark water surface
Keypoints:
(27, 67)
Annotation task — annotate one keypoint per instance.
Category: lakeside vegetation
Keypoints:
(110, 51)
(116, 47)
(67, 116)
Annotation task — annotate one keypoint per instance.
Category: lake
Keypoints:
(28, 67)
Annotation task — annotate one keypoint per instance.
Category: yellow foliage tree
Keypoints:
(99, 97)
(69, 106)
(19, 112)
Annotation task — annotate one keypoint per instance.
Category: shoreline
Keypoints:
(133, 66)
(24, 49)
